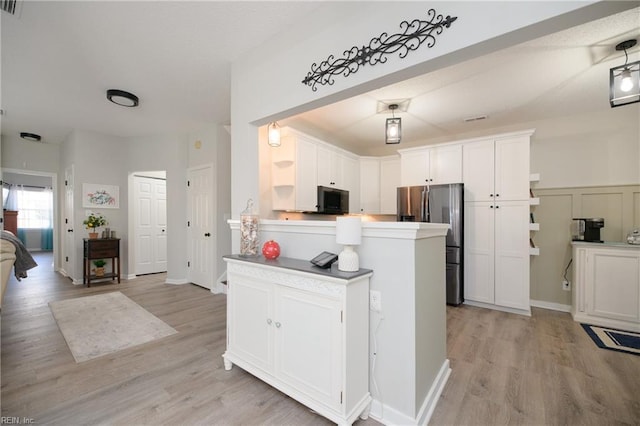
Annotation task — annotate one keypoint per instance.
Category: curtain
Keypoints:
(46, 239)
(12, 198)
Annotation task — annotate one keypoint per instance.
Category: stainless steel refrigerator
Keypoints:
(440, 204)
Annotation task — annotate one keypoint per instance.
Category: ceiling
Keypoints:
(59, 58)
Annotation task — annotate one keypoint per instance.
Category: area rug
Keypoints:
(98, 325)
(615, 340)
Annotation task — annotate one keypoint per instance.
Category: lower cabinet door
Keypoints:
(479, 252)
(308, 336)
(251, 315)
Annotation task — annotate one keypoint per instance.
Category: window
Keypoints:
(35, 209)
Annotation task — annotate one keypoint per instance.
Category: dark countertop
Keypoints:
(299, 265)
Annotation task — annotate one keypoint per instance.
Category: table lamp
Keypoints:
(348, 233)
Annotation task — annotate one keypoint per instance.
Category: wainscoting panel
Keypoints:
(618, 205)
(608, 206)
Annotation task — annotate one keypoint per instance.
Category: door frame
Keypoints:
(57, 222)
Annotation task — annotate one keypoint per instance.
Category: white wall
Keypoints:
(21, 154)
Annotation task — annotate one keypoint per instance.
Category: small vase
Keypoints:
(93, 235)
(99, 271)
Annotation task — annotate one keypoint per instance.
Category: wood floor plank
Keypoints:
(506, 368)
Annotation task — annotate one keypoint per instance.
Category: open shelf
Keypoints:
(534, 251)
(534, 227)
(534, 177)
(534, 201)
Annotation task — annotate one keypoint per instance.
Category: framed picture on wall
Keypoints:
(100, 196)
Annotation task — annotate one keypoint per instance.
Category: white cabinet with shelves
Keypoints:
(498, 222)
(606, 287)
(431, 165)
(533, 226)
(298, 330)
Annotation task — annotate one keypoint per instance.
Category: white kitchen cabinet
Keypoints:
(497, 169)
(432, 165)
(370, 196)
(606, 287)
(293, 174)
(389, 183)
(496, 255)
(302, 331)
(351, 179)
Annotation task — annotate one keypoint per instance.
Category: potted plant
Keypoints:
(99, 263)
(93, 221)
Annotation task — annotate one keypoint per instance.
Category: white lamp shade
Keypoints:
(349, 230)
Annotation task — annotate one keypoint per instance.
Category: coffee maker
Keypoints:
(587, 229)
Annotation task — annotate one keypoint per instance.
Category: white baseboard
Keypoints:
(389, 416)
(176, 282)
(550, 305)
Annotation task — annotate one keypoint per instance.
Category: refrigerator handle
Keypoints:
(424, 206)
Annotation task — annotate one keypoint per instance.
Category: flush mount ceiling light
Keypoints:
(624, 80)
(120, 97)
(274, 134)
(393, 127)
(30, 137)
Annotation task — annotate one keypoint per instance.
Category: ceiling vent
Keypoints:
(12, 7)
(476, 118)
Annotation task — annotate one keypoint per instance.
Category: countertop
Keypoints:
(299, 265)
(616, 244)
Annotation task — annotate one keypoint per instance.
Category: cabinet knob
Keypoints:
(490, 195)
(278, 324)
(269, 321)
(490, 207)
(497, 207)
(497, 195)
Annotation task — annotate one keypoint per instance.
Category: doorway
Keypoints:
(37, 225)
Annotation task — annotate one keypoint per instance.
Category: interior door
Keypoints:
(68, 258)
(151, 224)
(200, 226)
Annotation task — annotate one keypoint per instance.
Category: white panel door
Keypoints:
(512, 254)
(414, 168)
(306, 179)
(478, 171)
(612, 288)
(479, 252)
(512, 168)
(200, 229)
(309, 351)
(251, 321)
(69, 244)
(151, 225)
(445, 164)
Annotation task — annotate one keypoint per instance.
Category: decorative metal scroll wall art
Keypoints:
(413, 34)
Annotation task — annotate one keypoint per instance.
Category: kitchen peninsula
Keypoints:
(408, 336)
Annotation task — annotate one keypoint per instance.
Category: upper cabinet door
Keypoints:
(478, 171)
(512, 168)
(445, 164)
(414, 168)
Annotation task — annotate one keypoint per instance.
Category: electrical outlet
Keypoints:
(375, 301)
(566, 285)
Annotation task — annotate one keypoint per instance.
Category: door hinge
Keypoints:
(340, 397)
(66, 220)
(188, 223)
(188, 183)
(66, 183)
(188, 264)
(341, 316)
(66, 259)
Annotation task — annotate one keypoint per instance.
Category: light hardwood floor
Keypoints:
(507, 369)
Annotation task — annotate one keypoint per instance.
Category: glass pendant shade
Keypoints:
(393, 130)
(274, 134)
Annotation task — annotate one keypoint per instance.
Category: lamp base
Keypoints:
(348, 260)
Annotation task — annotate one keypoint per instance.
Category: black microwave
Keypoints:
(332, 200)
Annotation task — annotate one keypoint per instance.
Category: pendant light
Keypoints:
(393, 127)
(274, 134)
(624, 80)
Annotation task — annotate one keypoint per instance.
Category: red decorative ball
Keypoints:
(271, 249)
